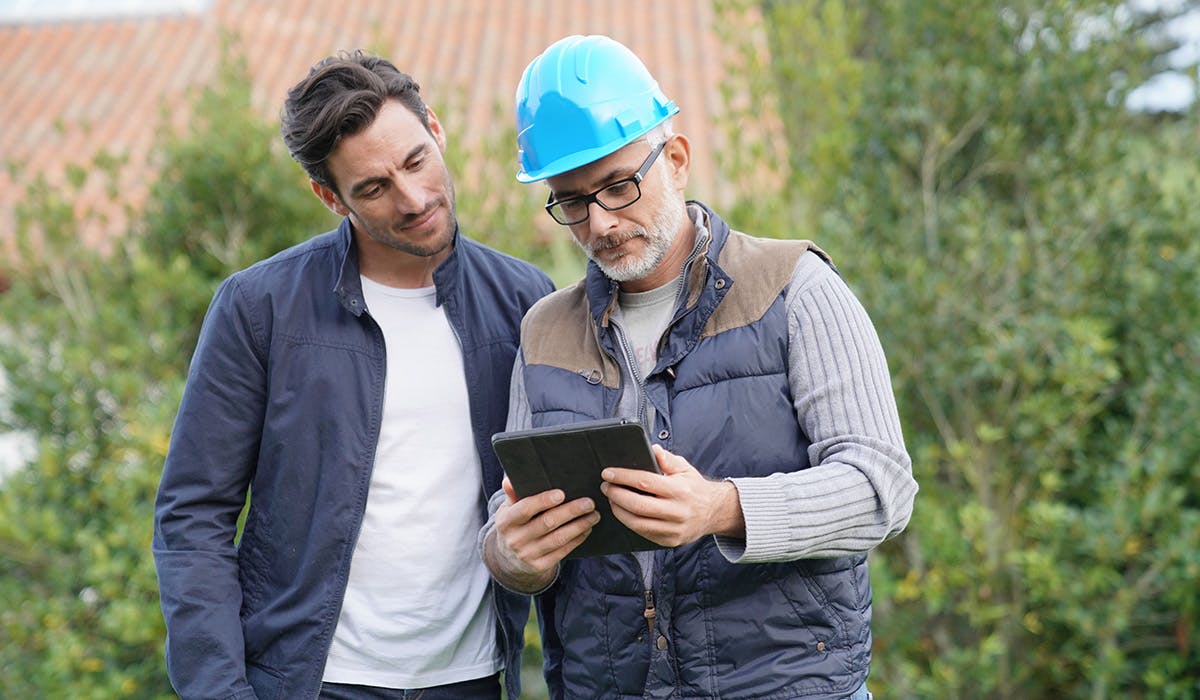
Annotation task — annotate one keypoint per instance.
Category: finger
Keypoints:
(669, 462)
(508, 489)
(639, 479)
(530, 507)
(642, 505)
(657, 531)
(525, 534)
(561, 516)
(550, 547)
(557, 555)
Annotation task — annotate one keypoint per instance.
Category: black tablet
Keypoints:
(570, 457)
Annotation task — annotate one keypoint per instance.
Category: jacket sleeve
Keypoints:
(208, 468)
(519, 418)
(859, 490)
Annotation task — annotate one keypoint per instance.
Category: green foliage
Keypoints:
(78, 594)
(1027, 249)
(96, 347)
(493, 208)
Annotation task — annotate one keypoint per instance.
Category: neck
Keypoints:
(397, 268)
(671, 264)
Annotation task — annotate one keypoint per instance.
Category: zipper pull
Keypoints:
(592, 376)
(649, 612)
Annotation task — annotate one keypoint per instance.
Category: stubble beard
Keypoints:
(659, 236)
(437, 244)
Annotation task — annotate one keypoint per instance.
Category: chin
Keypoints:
(622, 269)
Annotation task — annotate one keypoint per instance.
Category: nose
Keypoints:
(409, 197)
(600, 220)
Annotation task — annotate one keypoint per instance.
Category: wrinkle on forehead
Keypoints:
(597, 174)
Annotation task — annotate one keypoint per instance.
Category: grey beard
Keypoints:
(659, 237)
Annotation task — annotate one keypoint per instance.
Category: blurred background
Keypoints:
(1011, 188)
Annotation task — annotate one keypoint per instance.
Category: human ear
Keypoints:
(329, 198)
(678, 154)
(435, 129)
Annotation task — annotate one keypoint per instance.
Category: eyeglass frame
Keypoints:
(594, 196)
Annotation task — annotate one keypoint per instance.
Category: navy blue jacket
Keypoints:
(284, 397)
(791, 629)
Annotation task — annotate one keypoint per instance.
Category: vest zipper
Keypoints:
(648, 612)
(631, 362)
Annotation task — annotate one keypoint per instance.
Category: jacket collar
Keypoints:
(602, 291)
(448, 275)
(348, 287)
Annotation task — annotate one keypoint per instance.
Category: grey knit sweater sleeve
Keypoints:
(859, 490)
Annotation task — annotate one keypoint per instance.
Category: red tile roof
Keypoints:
(71, 88)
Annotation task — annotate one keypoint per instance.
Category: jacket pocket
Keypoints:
(267, 684)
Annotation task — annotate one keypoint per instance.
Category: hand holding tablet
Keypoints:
(571, 457)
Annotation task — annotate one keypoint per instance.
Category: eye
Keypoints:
(619, 189)
(416, 164)
(371, 192)
(572, 205)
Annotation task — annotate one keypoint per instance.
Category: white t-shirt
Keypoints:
(418, 611)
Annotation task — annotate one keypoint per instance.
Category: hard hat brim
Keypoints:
(591, 155)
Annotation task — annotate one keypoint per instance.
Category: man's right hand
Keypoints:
(533, 534)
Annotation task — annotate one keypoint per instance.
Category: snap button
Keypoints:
(820, 646)
(720, 284)
(662, 643)
(664, 434)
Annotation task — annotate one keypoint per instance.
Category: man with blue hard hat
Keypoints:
(762, 383)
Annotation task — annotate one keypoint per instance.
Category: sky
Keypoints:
(46, 10)
(1173, 90)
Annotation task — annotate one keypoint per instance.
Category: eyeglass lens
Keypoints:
(611, 197)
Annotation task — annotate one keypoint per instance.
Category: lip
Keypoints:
(424, 221)
(618, 250)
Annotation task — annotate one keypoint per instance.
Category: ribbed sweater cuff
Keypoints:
(822, 512)
(765, 509)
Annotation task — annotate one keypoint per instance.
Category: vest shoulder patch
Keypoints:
(558, 332)
(761, 269)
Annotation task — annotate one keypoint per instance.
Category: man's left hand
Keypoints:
(675, 507)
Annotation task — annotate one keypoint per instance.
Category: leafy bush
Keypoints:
(1025, 245)
(1027, 249)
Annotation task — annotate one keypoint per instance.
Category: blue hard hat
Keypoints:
(583, 98)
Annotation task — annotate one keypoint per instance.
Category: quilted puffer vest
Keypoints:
(798, 629)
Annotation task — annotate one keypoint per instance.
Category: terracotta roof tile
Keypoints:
(72, 88)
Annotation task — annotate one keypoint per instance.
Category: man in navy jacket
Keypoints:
(349, 386)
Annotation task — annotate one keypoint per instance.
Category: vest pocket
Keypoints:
(604, 636)
(834, 596)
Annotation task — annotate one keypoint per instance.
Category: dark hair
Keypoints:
(341, 96)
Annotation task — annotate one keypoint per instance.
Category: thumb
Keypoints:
(668, 462)
(508, 490)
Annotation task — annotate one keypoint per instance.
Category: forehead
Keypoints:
(389, 139)
(621, 163)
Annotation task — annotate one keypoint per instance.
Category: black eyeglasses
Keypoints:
(613, 196)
